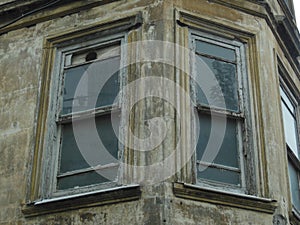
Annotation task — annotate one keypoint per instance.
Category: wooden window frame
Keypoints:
(38, 179)
(55, 135)
(238, 116)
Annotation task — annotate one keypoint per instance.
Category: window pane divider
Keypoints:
(218, 166)
(86, 170)
(68, 118)
(216, 58)
(220, 112)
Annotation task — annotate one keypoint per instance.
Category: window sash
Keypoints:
(65, 59)
(237, 116)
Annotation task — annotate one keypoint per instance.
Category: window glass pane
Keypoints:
(287, 101)
(85, 179)
(225, 84)
(220, 175)
(228, 153)
(215, 50)
(294, 183)
(71, 157)
(290, 129)
(91, 78)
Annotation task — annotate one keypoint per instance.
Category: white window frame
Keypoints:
(240, 117)
(52, 139)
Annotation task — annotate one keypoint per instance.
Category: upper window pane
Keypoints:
(290, 129)
(289, 122)
(91, 85)
(222, 92)
(287, 101)
(215, 50)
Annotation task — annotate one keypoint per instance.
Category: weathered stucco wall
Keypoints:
(21, 55)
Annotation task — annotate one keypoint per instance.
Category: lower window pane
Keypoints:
(85, 179)
(85, 151)
(294, 183)
(228, 151)
(220, 175)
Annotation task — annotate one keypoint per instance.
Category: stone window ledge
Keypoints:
(237, 200)
(84, 200)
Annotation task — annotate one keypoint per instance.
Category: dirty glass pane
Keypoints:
(215, 50)
(228, 152)
(85, 179)
(218, 85)
(99, 147)
(220, 175)
(95, 85)
(294, 183)
(290, 129)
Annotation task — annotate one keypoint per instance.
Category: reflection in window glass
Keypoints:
(72, 157)
(228, 153)
(223, 89)
(99, 85)
(215, 50)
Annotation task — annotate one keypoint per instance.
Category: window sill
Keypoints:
(236, 200)
(90, 199)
